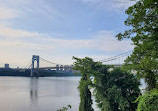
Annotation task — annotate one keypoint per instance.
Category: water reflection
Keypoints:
(38, 94)
(34, 93)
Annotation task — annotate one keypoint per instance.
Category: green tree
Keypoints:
(114, 90)
(81, 65)
(143, 23)
(148, 101)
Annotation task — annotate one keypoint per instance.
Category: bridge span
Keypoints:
(35, 66)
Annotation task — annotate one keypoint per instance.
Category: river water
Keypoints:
(38, 94)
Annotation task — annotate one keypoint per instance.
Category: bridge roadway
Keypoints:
(70, 67)
(56, 68)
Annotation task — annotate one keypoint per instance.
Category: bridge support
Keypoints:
(34, 58)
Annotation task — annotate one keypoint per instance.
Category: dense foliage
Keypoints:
(148, 101)
(143, 21)
(114, 90)
(85, 94)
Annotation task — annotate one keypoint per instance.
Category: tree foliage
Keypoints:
(148, 101)
(143, 23)
(65, 108)
(85, 94)
(114, 90)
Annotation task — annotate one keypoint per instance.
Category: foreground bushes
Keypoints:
(148, 101)
(114, 89)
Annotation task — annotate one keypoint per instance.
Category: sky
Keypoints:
(59, 29)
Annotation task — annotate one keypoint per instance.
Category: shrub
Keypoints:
(148, 101)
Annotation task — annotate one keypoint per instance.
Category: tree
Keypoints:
(81, 65)
(148, 101)
(143, 21)
(117, 89)
(114, 90)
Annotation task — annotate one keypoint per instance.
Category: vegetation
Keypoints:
(114, 90)
(85, 94)
(143, 21)
(148, 101)
(119, 89)
(65, 108)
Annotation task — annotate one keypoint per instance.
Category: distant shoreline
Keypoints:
(27, 72)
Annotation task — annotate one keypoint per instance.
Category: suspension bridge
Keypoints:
(47, 66)
(38, 64)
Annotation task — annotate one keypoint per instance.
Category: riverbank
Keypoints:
(27, 72)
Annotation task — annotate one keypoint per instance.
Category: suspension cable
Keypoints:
(116, 57)
(50, 62)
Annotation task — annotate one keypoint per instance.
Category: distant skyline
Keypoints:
(59, 29)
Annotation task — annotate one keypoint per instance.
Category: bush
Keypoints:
(148, 101)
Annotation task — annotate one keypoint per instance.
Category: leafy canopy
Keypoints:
(114, 90)
(148, 101)
(143, 23)
(81, 65)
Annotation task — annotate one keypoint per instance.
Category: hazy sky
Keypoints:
(59, 29)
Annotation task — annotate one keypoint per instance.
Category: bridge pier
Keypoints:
(33, 69)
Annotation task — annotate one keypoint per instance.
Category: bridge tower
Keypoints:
(34, 58)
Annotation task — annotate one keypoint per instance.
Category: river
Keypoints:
(38, 94)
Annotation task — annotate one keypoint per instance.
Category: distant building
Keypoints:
(61, 68)
(57, 67)
(6, 66)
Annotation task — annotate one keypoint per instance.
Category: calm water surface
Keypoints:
(38, 94)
